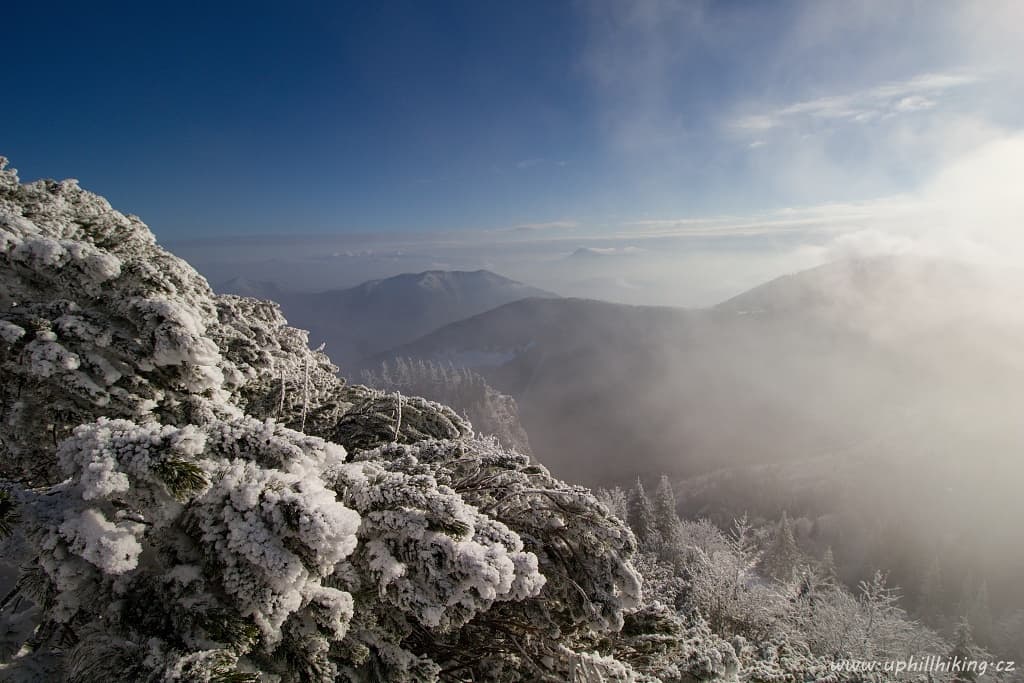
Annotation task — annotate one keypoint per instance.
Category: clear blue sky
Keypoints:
(251, 118)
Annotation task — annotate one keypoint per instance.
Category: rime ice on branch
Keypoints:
(190, 493)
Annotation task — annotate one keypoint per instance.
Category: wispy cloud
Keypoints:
(628, 250)
(914, 103)
(827, 218)
(915, 94)
(968, 209)
(549, 225)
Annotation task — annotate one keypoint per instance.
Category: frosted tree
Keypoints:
(781, 659)
(666, 515)
(965, 650)
(188, 492)
(814, 578)
(642, 518)
(279, 377)
(782, 555)
(616, 500)
(839, 625)
(827, 568)
(96, 319)
(831, 623)
(741, 540)
(886, 632)
(672, 647)
(721, 588)
(228, 528)
(567, 536)
(708, 589)
(464, 390)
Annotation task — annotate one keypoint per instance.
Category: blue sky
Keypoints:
(604, 118)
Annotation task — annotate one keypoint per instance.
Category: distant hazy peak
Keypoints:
(447, 279)
(863, 280)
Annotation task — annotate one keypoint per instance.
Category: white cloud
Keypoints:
(549, 225)
(971, 208)
(628, 250)
(914, 103)
(920, 92)
(833, 218)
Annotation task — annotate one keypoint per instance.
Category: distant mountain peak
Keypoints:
(359, 321)
(440, 280)
(856, 281)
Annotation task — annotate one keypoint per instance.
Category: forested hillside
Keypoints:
(759, 579)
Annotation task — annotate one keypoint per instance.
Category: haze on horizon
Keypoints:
(703, 148)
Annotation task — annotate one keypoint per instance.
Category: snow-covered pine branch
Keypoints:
(192, 494)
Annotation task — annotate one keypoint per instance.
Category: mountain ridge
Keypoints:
(356, 322)
(866, 340)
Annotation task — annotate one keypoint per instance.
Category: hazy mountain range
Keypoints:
(906, 375)
(359, 321)
(881, 394)
(805, 365)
